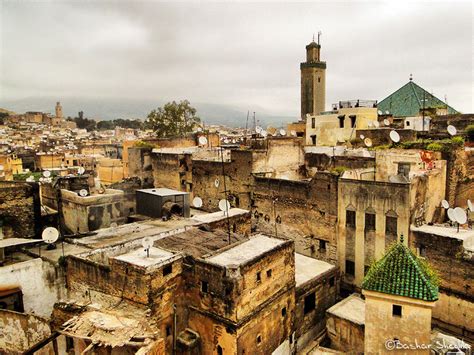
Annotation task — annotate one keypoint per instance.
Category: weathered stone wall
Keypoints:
(19, 332)
(168, 170)
(20, 209)
(456, 270)
(381, 136)
(300, 210)
(140, 164)
(322, 162)
(345, 336)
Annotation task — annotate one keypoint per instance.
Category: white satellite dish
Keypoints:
(197, 202)
(50, 235)
(264, 133)
(258, 129)
(224, 205)
(386, 122)
(282, 132)
(460, 215)
(293, 133)
(394, 136)
(380, 112)
(362, 136)
(470, 205)
(368, 142)
(387, 112)
(47, 173)
(199, 129)
(30, 178)
(147, 242)
(217, 182)
(376, 124)
(445, 204)
(113, 225)
(83, 193)
(451, 215)
(452, 130)
(81, 170)
(399, 179)
(202, 140)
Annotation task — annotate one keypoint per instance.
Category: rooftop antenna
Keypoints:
(147, 243)
(411, 77)
(319, 36)
(225, 192)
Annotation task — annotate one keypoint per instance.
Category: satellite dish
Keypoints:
(370, 124)
(202, 140)
(376, 124)
(282, 132)
(113, 225)
(224, 205)
(197, 202)
(362, 136)
(470, 205)
(368, 142)
(387, 113)
(445, 204)
(399, 179)
(47, 173)
(258, 129)
(460, 215)
(217, 182)
(83, 193)
(30, 178)
(199, 129)
(451, 215)
(147, 242)
(81, 170)
(452, 130)
(386, 122)
(50, 235)
(394, 136)
(264, 133)
(380, 112)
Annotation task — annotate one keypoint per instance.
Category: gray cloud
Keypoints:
(239, 54)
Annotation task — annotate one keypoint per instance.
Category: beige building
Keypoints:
(400, 293)
(340, 125)
(313, 81)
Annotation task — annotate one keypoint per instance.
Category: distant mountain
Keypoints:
(111, 108)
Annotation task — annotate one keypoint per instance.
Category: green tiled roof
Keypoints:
(401, 273)
(408, 100)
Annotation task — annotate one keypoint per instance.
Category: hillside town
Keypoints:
(346, 230)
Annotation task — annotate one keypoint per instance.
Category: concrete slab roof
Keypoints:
(216, 216)
(307, 268)
(246, 251)
(466, 235)
(351, 308)
(139, 257)
(162, 191)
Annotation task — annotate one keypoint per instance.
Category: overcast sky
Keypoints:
(239, 54)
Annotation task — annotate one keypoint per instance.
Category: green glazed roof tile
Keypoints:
(409, 99)
(401, 273)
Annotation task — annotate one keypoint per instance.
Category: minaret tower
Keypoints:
(313, 81)
(59, 110)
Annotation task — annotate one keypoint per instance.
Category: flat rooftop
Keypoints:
(162, 191)
(466, 235)
(246, 251)
(351, 308)
(307, 268)
(138, 257)
(217, 216)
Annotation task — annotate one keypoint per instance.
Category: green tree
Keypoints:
(470, 132)
(173, 119)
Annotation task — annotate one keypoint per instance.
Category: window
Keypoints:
(353, 120)
(350, 268)
(204, 286)
(313, 122)
(370, 221)
(408, 123)
(396, 310)
(167, 269)
(168, 330)
(259, 339)
(422, 250)
(322, 245)
(350, 219)
(341, 121)
(309, 303)
(259, 277)
(391, 225)
(269, 273)
(331, 282)
(404, 169)
(283, 312)
(313, 139)
(219, 350)
(319, 79)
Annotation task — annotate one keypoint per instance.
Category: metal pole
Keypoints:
(174, 328)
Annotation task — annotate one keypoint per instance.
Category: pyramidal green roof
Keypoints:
(402, 273)
(409, 99)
